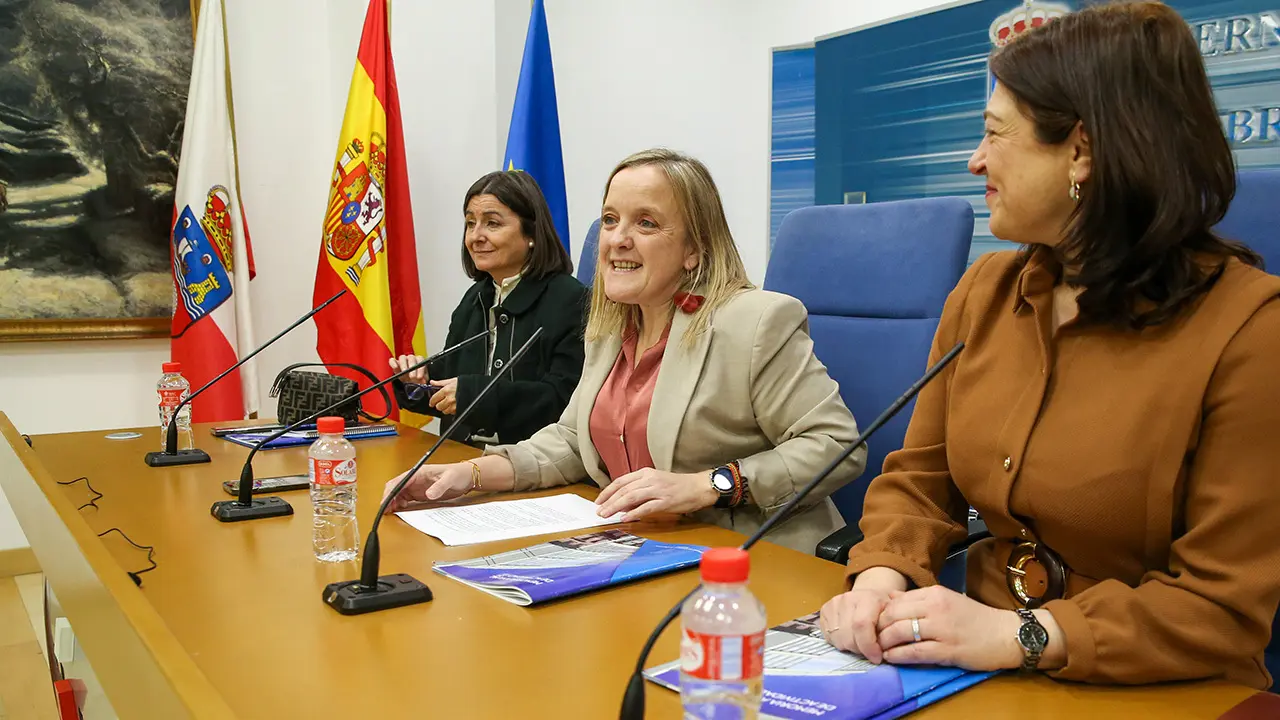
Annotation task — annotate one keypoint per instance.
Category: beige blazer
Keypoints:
(749, 389)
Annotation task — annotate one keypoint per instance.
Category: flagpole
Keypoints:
(195, 18)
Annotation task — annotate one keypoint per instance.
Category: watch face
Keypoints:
(722, 482)
(1033, 636)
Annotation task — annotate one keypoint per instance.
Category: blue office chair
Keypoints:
(874, 278)
(587, 260)
(1254, 219)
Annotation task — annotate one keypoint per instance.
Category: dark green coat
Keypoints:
(532, 394)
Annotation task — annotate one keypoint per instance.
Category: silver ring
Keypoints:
(915, 628)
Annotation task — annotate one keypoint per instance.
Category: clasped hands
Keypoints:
(954, 630)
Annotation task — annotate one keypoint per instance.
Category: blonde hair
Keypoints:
(719, 274)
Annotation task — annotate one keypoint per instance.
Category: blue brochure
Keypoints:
(561, 568)
(804, 677)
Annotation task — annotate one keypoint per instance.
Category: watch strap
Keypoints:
(1030, 655)
(736, 494)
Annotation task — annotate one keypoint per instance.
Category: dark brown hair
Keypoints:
(520, 192)
(1131, 74)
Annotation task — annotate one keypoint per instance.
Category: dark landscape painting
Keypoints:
(92, 103)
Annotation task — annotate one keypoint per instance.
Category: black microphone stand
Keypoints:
(372, 593)
(172, 455)
(246, 506)
(633, 700)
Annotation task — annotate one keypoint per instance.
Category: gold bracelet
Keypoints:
(475, 476)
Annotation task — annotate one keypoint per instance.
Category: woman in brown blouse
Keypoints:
(699, 396)
(1114, 413)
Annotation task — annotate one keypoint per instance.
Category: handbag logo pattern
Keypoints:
(304, 393)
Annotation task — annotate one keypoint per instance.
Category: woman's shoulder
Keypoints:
(563, 285)
(750, 313)
(1240, 292)
(754, 304)
(1244, 283)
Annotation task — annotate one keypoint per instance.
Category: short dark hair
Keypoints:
(1163, 174)
(520, 192)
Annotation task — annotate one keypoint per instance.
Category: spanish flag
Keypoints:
(368, 245)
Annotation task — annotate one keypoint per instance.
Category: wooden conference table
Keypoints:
(231, 622)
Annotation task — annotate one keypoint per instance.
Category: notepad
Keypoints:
(507, 519)
(306, 437)
(562, 568)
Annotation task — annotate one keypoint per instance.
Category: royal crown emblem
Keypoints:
(1028, 16)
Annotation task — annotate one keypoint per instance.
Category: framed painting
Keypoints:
(93, 97)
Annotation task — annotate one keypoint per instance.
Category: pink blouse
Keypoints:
(619, 421)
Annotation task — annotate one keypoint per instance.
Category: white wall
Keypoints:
(630, 75)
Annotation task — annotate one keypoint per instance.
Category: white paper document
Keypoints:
(507, 519)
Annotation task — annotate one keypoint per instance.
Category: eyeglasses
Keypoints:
(416, 391)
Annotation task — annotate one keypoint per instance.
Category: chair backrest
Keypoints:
(1254, 219)
(874, 278)
(587, 260)
(1254, 215)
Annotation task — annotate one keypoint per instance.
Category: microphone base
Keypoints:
(264, 507)
(182, 457)
(393, 591)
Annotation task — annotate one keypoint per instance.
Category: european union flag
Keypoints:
(533, 142)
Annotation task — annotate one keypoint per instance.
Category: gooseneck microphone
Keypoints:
(172, 455)
(633, 700)
(372, 593)
(246, 506)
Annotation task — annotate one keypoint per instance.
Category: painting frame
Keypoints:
(71, 329)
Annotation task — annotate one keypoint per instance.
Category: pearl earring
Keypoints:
(1073, 191)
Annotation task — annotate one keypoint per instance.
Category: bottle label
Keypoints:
(722, 657)
(171, 397)
(332, 472)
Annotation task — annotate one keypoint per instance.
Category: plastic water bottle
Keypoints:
(332, 467)
(172, 390)
(722, 644)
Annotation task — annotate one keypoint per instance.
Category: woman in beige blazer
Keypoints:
(725, 422)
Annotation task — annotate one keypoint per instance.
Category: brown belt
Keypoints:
(1035, 574)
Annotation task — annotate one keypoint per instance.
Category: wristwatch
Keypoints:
(1033, 639)
(722, 483)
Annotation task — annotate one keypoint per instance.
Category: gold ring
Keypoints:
(915, 628)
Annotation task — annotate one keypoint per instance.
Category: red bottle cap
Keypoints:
(725, 565)
(331, 425)
(171, 367)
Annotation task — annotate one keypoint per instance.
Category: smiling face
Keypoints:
(1027, 180)
(644, 245)
(494, 239)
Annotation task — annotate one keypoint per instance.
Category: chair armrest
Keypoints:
(963, 546)
(836, 546)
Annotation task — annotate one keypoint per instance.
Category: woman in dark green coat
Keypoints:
(523, 282)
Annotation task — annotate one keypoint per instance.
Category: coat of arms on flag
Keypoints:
(202, 255)
(353, 226)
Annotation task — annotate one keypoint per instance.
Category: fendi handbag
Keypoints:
(302, 393)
